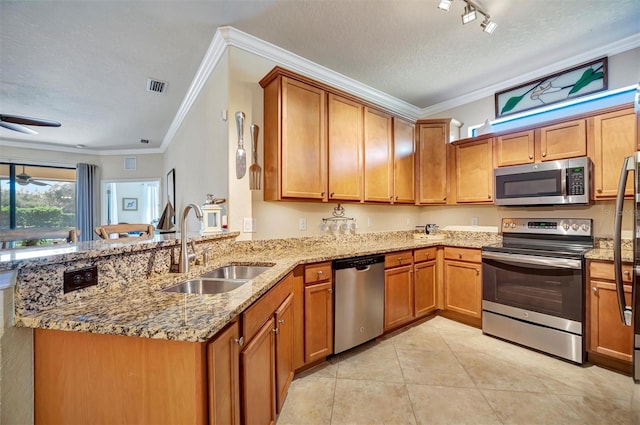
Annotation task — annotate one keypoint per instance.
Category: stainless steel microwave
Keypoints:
(567, 181)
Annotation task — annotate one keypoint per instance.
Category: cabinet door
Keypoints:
(404, 158)
(258, 377)
(304, 142)
(424, 288)
(614, 138)
(474, 172)
(432, 163)
(463, 288)
(398, 296)
(378, 156)
(223, 357)
(514, 149)
(284, 350)
(608, 335)
(318, 321)
(565, 140)
(345, 149)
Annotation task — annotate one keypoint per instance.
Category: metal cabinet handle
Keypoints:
(239, 341)
(489, 196)
(530, 156)
(276, 331)
(444, 199)
(319, 273)
(322, 193)
(477, 272)
(459, 255)
(330, 290)
(397, 197)
(390, 198)
(627, 273)
(331, 194)
(594, 289)
(599, 190)
(544, 154)
(281, 321)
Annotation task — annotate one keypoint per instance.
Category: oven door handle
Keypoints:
(564, 263)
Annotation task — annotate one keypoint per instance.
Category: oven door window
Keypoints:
(528, 185)
(548, 290)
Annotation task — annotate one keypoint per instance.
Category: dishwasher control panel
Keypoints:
(349, 263)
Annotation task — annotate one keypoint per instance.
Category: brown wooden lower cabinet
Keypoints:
(223, 368)
(284, 349)
(259, 376)
(398, 296)
(463, 282)
(607, 336)
(424, 283)
(318, 321)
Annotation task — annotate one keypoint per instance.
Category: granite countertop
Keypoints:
(145, 311)
(606, 254)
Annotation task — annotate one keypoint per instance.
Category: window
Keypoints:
(35, 196)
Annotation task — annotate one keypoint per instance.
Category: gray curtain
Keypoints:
(86, 199)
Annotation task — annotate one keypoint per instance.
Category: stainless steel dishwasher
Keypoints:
(359, 301)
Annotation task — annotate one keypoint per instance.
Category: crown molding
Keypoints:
(619, 46)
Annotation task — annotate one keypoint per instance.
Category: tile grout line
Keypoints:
(404, 381)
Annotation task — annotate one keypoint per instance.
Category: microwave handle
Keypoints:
(563, 182)
(625, 310)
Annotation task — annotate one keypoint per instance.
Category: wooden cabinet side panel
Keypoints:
(303, 141)
(271, 137)
(378, 156)
(345, 149)
(404, 148)
(398, 296)
(258, 377)
(318, 321)
(133, 374)
(298, 317)
(432, 164)
(614, 138)
(224, 377)
(284, 350)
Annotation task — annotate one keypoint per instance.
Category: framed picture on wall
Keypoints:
(129, 204)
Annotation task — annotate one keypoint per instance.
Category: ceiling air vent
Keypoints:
(156, 86)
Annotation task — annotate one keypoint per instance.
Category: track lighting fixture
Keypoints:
(470, 13)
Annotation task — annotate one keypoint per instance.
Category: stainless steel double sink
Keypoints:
(218, 281)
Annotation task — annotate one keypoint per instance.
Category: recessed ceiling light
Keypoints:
(79, 146)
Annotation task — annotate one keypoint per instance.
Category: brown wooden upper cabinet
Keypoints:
(345, 149)
(404, 158)
(433, 156)
(474, 171)
(546, 143)
(378, 156)
(295, 140)
(614, 138)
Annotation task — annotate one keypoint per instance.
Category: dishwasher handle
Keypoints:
(363, 268)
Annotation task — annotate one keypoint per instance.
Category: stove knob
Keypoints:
(575, 227)
(513, 225)
(505, 225)
(565, 226)
(585, 227)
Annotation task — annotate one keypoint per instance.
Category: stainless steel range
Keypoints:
(533, 284)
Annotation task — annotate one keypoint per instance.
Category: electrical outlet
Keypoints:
(369, 222)
(474, 221)
(302, 224)
(80, 278)
(249, 225)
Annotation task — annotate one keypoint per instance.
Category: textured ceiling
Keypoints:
(85, 63)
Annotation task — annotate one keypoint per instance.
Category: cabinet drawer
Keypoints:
(260, 311)
(604, 270)
(462, 254)
(315, 273)
(397, 259)
(424, 254)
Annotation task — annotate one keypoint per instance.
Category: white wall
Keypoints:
(199, 150)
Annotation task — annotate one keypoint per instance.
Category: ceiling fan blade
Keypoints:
(15, 119)
(39, 183)
(17, 127)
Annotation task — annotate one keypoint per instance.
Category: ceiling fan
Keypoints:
(24, 179)
(17, 123)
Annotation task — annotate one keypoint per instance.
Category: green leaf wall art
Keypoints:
(568, 84)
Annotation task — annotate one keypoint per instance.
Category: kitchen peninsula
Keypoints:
(128, 310)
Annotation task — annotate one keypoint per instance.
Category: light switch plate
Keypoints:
(249, 225)
(302, 224)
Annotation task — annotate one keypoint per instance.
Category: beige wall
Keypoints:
(199, 150)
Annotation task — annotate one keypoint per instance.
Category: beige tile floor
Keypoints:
(444, 372)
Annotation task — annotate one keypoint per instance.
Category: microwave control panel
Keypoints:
(575, 181)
